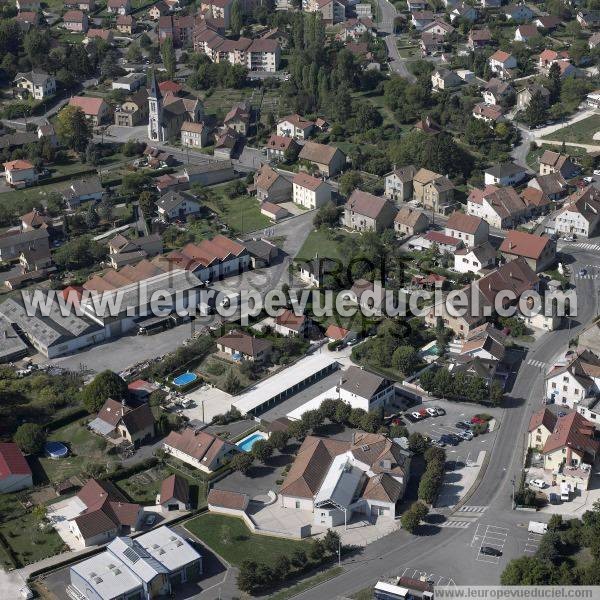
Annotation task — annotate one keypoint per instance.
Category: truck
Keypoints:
(537, 527)
(565, 492)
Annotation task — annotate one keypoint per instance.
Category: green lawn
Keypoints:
(84, 445)
(581, 132)
(241, 214)
(323, 242)
(230, 538)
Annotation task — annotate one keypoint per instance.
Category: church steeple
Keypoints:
(155, 107)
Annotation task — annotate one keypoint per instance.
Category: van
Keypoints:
(537, 527)
(565, 492)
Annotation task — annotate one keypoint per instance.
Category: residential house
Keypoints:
(554, 162)
(502, 208)
(333, 479)
(409, 221)
(399, 184)
(473, 231)
(497, 91)
(85, 5)
(539, 251)
(464, 12)
(438, 27)
(262, 252)
(238, 118)
(174, 494)
(548, 57)
(536, 201)
(525, 95)
(289, 323)
(218, 9)
(125, 24)
(275, 212)
(105, 514)
(475, 259)
(589, 19)
(199, 449)
(365, 212)
(443, 242)
(15, 473)
(134, 111)
(242, 346)
(580, 214)
(428, 125)
(271, 186)
(433, 191)
(176, 206)
(444, 79)
(420, 19)
(76, 21)
(20, 173)
(485, 343)
(332, 11)
(118, 7)
(362, 389)
(520, 13)
(316, 270)
(490, 113)
(335, 333)
(594, 40)
(263, 55)
(310, 192)
(295, 126)
(572, 379)
(541, 427)
(479, 38)
(194, 135)
(328, 160)
(432, 43)
(37, 84)
(106, 35)
(96, 110)
(547, 22)
(504, 174)
(353, 29)
(524, 33)
(553, 185)
(83, 190)
(158, 10)
(281, 148)
(12, 243)
(124, 251)
(502, 64)
(119, 420)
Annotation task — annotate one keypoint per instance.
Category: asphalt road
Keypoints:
(385, 22)
(454, 553)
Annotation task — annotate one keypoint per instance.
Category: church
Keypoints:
(169, 112)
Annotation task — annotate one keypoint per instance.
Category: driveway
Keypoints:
(209, 401)
(60, 513)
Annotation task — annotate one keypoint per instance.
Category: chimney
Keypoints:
(123, 408)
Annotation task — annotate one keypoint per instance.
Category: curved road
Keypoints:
(385, 24)
(452, 553)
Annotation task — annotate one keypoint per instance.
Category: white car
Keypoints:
(415, 415)
(537, 483)
(597, 172)
(432, 412)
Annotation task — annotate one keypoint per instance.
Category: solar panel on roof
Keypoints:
(131, 555)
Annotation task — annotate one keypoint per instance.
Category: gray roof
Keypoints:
(36, 77)
(362, 383)
(83, 187)
(11, 345)
(259, 248)
(47, 330)
(22, 237)
(505, 169)
(13, 140)
(136, 558)
(172, 200)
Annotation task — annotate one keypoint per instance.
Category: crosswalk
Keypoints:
(587, 276)
(477, 509)
(464, 517)
(536, 363)
(455, 524)
(583, 245)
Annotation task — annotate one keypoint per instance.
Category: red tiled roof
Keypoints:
(543, 417)
(336, 333)
(524, 244)
(12, 461)
(227, 499)
(174, 487)
(573, 431)
(462, 222)
(88, 104)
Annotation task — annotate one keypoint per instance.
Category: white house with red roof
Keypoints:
(289, 323)
(295, 126)
(20, 173)
(501, 63)
(310, 192)
(335, 333)
(96, 110)
(15, 473)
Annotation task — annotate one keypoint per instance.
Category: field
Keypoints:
(241, 213)
(231, 539)
(323, 242)
(581, 132)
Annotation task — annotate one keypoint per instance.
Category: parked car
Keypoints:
(416, 415)
(440, 411)
(588, 179)
(432, 411)
(151, 519)
(424, 413)
(449, 439)
(439, 443)
(597, 172)
(454, 437)
(490, 551)
(554, 499)
(462, 425)
(477, 420)
(466, 435)
(582, 272)
(540, 484)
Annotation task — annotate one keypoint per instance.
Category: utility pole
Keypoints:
(339, 552)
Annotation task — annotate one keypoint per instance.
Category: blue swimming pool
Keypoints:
(247, 443)
(55, 450)
(184, 379)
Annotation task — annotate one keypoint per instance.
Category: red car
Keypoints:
(477, 420)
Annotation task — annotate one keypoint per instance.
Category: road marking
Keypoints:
(492, 536)
(478, 509)
(424, 576)
(455, 524)
(532, 543)
(536, 363)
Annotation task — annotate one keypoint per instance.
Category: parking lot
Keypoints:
(492, 537)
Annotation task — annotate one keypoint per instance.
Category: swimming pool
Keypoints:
(431, 351)
(56, 450)
(184, 379)
(249, 441)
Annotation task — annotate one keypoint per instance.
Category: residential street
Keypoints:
(387, 13)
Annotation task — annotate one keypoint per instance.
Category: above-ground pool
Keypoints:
(184, 379)
(56, 450)
(249, 441)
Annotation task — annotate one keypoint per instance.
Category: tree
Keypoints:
(30, 437)
(527, 570)
(536, 112)
(342, 412)
(555, 523)
(232, 383)
(327, 216)
(554, 82)
(405, 359)
(297, 430)
(262, 450)
(549, 548)
(279, 439)
(247, 579)
(312, 419)
(416, 443)
(105, 385)
(78, 253)
(91, 217)
(349, 181)
(147, 204)
(420, 510)
(72, 128)
(236, 21)
(241, 462)
(317, 550)
(331, 541)
(168, 57)
(299, 558)
(410, 521)
(281, 567)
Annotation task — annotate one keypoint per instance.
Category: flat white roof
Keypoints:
(313, 404)
(169, 548)
(281, 382)
(341, 481)
(107, 575)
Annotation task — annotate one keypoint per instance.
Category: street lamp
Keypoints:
(513, 493)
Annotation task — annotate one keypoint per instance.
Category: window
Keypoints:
(297, 503)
